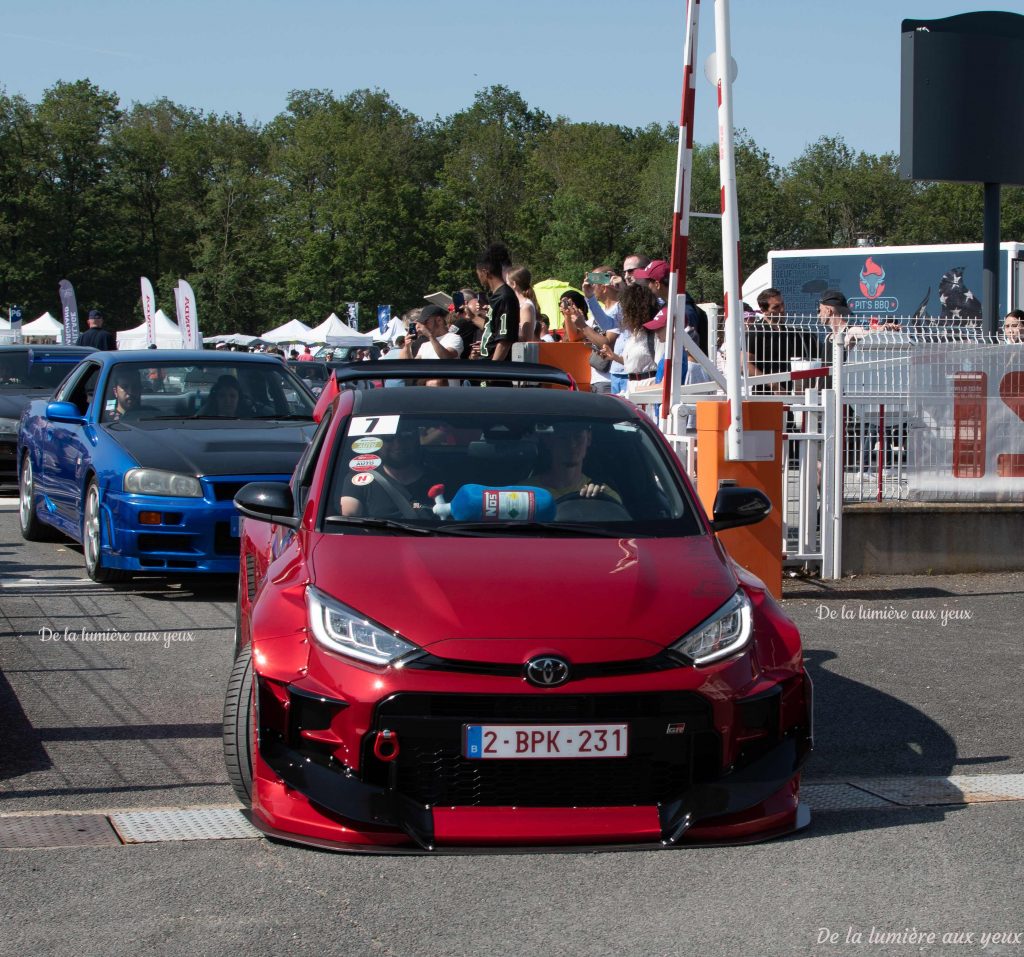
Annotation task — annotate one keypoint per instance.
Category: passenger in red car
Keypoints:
(397, 488)
(563, 451)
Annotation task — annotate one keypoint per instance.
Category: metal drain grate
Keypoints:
(956, 789)
(183, 824)
(840, 797)
(56, 830)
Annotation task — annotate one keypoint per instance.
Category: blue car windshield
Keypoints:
(506, 474)
(137, 391)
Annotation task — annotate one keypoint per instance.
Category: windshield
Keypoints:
(204, 390)
(505, 475)
(36, 369)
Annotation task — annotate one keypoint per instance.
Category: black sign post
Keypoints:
(961, 99)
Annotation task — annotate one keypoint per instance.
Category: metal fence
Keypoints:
(905, 410)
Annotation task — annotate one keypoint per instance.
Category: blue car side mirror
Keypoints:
(64, 412)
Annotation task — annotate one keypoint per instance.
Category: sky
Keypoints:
(806, 68)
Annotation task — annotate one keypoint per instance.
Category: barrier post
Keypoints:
(758, 548)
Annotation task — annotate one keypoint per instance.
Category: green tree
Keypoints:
(483, 180)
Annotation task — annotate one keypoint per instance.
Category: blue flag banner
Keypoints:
(15, 316)
(383, 317)
(69, 312)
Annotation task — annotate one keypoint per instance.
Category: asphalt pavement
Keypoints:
(914, 678)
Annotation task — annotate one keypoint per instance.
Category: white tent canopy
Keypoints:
(337, 333)
(293, 331)
(45, 325)
(168, 335)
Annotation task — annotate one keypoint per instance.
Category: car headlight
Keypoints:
(723, 634)
(159, 482)
(8, 425)
(343, 630)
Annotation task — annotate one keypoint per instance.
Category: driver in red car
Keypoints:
(397, 487)
(563, 450)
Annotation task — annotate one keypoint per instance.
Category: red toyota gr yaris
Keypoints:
(498, 617)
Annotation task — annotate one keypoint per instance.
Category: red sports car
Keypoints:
(494, 617)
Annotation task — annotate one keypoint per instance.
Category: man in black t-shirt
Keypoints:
(96, 336)
(502, 326)
(393, 486)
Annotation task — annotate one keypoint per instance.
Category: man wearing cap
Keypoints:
(436, 340)
(441, 342)
(834, 312)
(96, 336)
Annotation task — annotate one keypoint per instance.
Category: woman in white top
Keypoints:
(631, 344)
(521, 283)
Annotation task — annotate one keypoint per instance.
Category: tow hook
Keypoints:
(385, 746)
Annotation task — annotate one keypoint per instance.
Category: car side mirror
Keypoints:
(267, 502)
(736, 506)
(64, 412)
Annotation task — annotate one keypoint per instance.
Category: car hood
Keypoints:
(499, 598)
(209, 448)
(12, 404)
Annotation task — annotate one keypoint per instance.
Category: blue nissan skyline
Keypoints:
(138, 455)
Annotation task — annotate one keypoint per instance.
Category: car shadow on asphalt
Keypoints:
(860, 731)
(21, 749)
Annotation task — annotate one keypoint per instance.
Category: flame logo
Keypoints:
(872, 279)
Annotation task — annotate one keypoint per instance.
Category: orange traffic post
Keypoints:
(758, 548)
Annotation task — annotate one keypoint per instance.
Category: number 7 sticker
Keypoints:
(373, 425)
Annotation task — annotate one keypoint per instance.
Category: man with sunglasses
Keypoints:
(390, 483)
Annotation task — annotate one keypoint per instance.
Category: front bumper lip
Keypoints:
(662, 825)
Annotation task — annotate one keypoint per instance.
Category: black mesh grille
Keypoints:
(430, 766)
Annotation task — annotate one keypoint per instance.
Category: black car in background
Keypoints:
(28, 372)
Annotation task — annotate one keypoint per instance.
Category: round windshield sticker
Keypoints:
(364, 463)
(363, 478)
(367, 445)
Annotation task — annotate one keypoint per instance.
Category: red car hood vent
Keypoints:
(643, 592)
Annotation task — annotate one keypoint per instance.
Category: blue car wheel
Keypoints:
(92, 540)
(32, 530)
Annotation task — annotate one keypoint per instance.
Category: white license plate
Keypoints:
(546, 740)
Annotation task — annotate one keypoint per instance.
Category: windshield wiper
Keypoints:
(361, 521)
(544, 528)
(288, 417)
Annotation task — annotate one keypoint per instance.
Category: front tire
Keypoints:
(92, 540)
(237, 728)
(32, 530)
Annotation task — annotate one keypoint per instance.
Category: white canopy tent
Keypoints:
(168, 335)
(45, 327)
(293, 331)
(334, 332)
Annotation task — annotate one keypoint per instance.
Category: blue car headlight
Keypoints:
(726, 632)
(343, 630)
(159, 482)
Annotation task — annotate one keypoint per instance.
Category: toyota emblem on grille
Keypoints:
(547, 672)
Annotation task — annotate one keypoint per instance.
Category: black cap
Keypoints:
(95, 314)
(833, 297)
(428, 312)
